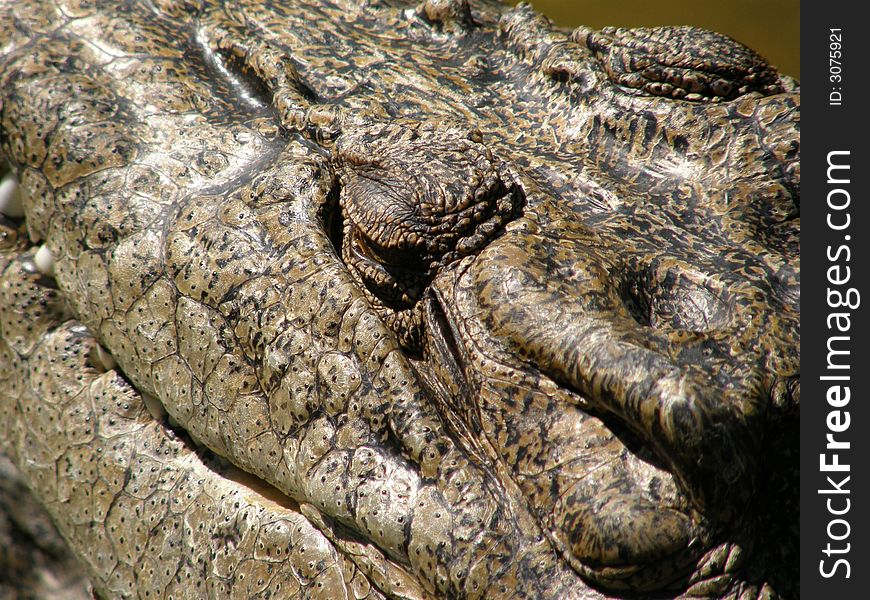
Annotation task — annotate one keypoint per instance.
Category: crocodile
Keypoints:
(368, 298)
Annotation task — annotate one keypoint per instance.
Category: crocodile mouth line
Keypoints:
(447, 375)
(451, 384)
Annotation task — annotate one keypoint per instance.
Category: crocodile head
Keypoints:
(437, 302)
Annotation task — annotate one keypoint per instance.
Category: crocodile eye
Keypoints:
(388, 257)
(415, 199)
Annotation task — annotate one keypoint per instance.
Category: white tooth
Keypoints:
(154, 407)
(102, 359)
(107, 360)
(10, 197)
(44, 261)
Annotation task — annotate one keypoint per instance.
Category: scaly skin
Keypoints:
(517, 320)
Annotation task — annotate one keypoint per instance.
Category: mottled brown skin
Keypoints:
(457, 304)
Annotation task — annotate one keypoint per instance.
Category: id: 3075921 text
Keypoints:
(835, 66)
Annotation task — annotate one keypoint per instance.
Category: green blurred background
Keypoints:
(770, 27)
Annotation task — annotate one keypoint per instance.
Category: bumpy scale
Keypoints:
(408, 301)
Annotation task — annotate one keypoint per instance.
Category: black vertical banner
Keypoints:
(835, 236)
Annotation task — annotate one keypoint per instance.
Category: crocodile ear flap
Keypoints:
(684, 63)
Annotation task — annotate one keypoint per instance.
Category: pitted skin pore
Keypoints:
(441, 301)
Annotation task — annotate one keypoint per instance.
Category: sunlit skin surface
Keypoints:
(456, 303)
